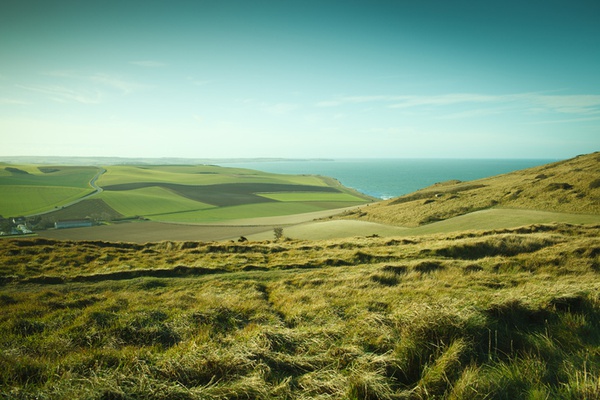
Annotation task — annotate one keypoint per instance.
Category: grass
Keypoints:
(201, 194)
(501, 218)
(313, 197)
(512, 313)
(61, 176)
(25, 200)
(29, 189)
(200, 174)
(150, 201)
(565, 187)
(224, 214)
(168, 193)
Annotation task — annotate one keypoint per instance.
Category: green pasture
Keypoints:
(32, 175)
(240, 212)
(312, 197)
(31, 189)
(501, 218)
(199, 175)
(26, 200)
(149, 201)
(176, 193)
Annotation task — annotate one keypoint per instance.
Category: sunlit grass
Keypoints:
(25, 200)
(150, 201)
(507, 314)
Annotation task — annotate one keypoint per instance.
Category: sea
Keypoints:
(388, 178)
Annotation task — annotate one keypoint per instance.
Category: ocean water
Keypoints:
(387, 178)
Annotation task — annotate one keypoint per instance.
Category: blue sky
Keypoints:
(283, 78)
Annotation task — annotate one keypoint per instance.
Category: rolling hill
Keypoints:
(571, 186)
(511, 313)
(168, 193)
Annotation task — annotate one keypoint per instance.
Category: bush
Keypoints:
(595, 184)
(278, 232)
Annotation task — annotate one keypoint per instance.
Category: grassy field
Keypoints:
(198, 174)
(195, 194)
(150, 201)
(504, 314)
(26, 200)
(271, 209)
(28, 189)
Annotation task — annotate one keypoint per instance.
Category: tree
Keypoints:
(278, 233)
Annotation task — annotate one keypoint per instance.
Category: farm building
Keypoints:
(73, 223)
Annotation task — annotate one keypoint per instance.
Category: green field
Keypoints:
(34, 175)
(246, 211)
(200, 194)
(168, 193)
(501, 218)
(198, 175)
(150, 201)
(23, 200)
(29, 189)
(324, 197)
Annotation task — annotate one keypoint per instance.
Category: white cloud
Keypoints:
(6, 101)
(565, 121)
(199, 82)
(63, 94)
(568, 104)
(532, 102)
(148, 64)
(280, 108)
(126, 87)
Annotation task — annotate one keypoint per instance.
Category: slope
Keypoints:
(570, 186)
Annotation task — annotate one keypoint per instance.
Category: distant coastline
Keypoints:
(381, 178)
(388, 178)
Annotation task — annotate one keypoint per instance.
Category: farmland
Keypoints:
(201, 194)
(173, 193)
(29, 189)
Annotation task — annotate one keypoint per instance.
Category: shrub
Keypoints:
(595, 184)
(278, 232)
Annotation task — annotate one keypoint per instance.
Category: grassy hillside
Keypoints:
(505, 314)
(571, 186)
(30, 189)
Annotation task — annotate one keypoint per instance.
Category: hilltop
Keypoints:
(570, 186)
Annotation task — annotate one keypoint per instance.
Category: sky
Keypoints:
(300, 79)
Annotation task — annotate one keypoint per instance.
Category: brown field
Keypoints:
(225, 194)
(147, 231)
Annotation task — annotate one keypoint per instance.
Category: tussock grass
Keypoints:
(513, 313)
